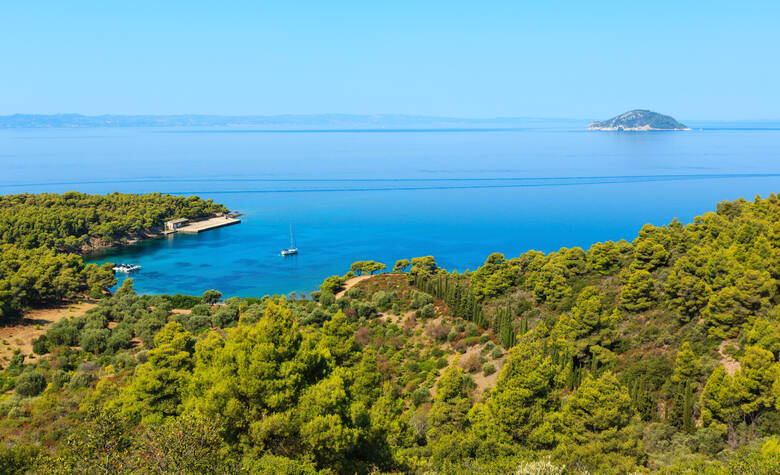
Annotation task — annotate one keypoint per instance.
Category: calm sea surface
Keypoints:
(352, 195)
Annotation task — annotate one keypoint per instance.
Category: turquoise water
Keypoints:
(458, 194)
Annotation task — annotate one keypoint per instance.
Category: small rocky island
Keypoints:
(639, 120)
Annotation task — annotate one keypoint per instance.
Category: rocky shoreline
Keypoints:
(97, 244)
(638, 120)
(644, 128)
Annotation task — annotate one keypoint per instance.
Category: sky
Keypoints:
(713, 60)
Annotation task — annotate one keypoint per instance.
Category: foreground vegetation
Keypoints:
(42, 237)
(655, 355)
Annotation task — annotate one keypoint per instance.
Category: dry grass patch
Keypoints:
(20, 335)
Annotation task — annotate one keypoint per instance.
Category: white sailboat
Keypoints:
(293, 249)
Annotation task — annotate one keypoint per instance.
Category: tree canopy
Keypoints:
(660, 354)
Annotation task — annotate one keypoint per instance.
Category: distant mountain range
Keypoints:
(639, 120)
(325, 121)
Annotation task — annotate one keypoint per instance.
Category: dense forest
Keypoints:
(659, 354)
(43, 235)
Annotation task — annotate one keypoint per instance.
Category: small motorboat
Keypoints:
(127, 268)
(293, 249)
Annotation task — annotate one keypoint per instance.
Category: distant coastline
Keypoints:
(289, 121)
(331, 123)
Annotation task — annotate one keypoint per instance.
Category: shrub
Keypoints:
(63, 333)
(420, 299)
(17, 360)
(470, 363)
(90, 367)
(327, 299)
(59, 378)
(316, 317)
(420, 396)
(201, 309)
(224, 317)
(363, 336)
(382, 299)
(488, 369)
(197, 322)
(30, 383)
(471, 341)
(94, 340)
(354, 293)
(350, 313)
(92, 321)
(17, 411)
(364, 309)
(539, 467)
(452, 335)
(120, 339)
(40, 345)
(7, 404)
(123, 360)
(183, 301)
(18, 458)
(146, 328)
(80, 380)
(427, 311)
(497, 353)
(437, 331)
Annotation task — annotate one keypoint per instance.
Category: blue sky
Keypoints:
(588, 60)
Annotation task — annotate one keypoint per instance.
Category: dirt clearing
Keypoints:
(34, 324)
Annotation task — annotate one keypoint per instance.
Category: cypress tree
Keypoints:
(688, 408)
(571, 375)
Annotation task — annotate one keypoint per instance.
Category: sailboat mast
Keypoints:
(292, 245)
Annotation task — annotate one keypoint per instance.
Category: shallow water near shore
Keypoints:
(350, 195)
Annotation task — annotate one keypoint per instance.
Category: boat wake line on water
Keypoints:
(513, 183)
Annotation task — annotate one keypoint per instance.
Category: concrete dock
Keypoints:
(195, 227)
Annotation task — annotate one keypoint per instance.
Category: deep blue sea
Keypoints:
(385, 195)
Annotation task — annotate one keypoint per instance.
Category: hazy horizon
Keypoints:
(376, 116)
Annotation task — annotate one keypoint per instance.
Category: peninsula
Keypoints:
(638, 120)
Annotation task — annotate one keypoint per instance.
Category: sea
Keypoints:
(458, 194)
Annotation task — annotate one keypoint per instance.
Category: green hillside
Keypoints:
(659, 354)
(43, 235)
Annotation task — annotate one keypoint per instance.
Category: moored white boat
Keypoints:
(293, 249)
(126, 268)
